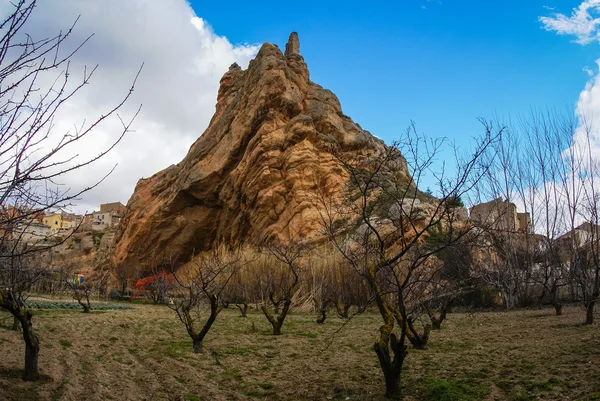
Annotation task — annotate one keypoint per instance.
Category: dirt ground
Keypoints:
(145, 354)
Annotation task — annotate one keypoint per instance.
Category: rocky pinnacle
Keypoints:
(251, 174)
(293, 45)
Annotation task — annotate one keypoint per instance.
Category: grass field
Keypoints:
(145, 354)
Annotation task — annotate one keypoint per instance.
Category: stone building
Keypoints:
(524, 223)
(114, 207)
(497, 214)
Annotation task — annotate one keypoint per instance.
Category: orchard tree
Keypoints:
(546, 165)
(585, 238)
(281, 280)
(444, 284)
(155, 286)
(381, 227)
(81, 291)
(198, 295)
(34, 157)
(335, 285)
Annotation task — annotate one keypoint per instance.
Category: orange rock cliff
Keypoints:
(252, 172)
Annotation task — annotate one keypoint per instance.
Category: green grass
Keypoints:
(540, 385)
(58, 393)
(595, 396)
(478, 356)
(444, 390)
(258, 393)
(72, 305)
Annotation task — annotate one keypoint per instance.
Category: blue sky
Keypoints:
(442, 64)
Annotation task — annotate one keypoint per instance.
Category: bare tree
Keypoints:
(341, 288)
(381, 228)
(33, 157)
(585, 244)
(81, 291)
(281, 281)
(542, 166)
(503, 263)
(546, 165)
(155, 286)
(17, 276)
(450, 282)
(321, 283)
(506, 255)
(122, 276)
(244, 287)
(201, 291)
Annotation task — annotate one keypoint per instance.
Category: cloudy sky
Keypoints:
(442, 64)
(183, 61)
(582, 25)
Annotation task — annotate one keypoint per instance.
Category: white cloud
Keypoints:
(183, 63)
(582, 23)
(588, 113)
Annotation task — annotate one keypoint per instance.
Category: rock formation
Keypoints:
(253, 171)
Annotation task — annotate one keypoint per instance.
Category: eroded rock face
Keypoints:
(253, 171)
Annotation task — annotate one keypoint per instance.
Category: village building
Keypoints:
(77, 221)
(101, 220)
(581, 235)
(524, 223)
(501, 215)
(115, 208)
(109, 216)
(497, 214)
(33, 233)
(59, 222)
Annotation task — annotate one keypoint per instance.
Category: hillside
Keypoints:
(252, 173)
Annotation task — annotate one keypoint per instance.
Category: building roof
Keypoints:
(112, 207)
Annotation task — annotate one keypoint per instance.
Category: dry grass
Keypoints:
(145, 354)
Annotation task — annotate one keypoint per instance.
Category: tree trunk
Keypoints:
(32, 349)
(557, 308)
(197, 345)
(391, 371)
(16, 325)
(85, 306)
(509, 299)
(243, 309)
(346, 311)
(589, 313)
(322, 316)
(343, 311)
(392, 386)
(419, 341)
(277, 322)
(197, 338)
(436, 321)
